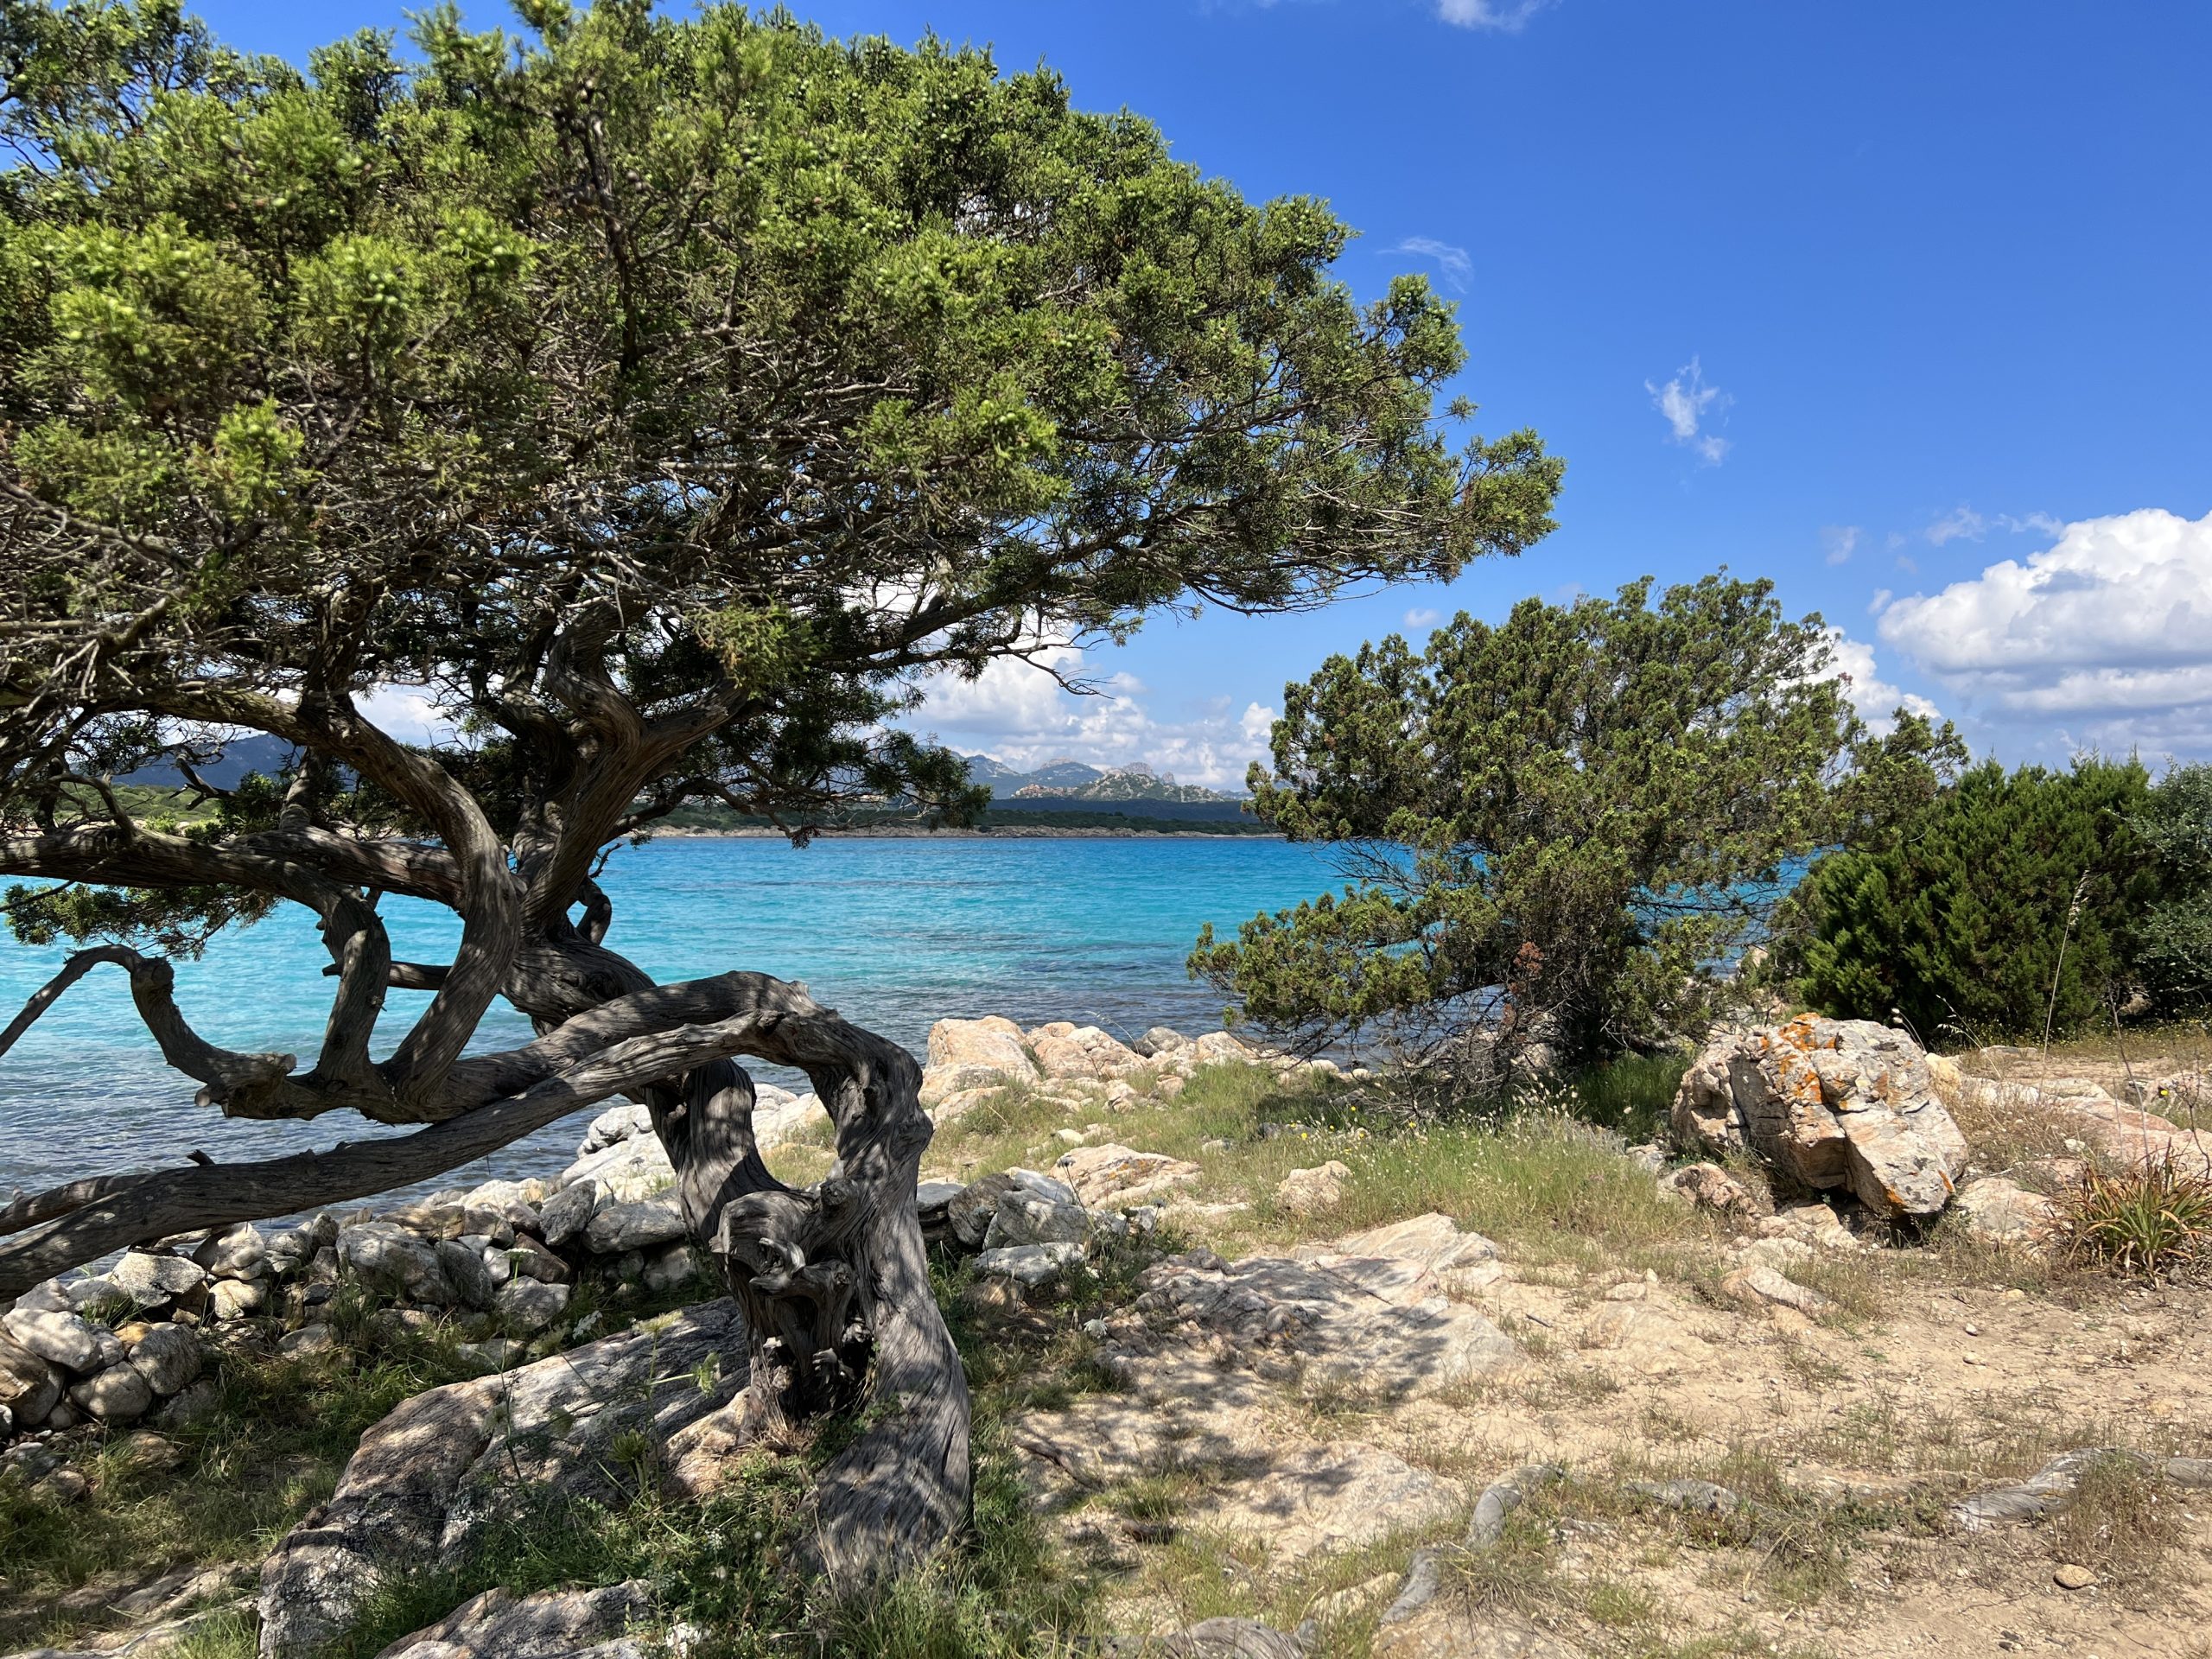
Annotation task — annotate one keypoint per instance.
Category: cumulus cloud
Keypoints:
(1960, 524)
(1021, 716)
(1507, 16)
(1876, 700)
(1421, 617)
(404, 712)
(2105, 636)
(1841, 541)
(1685, 401)
(1452, 262)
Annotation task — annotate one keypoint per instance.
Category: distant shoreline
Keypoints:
(1007, 832)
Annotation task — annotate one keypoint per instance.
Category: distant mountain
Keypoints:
(258, 752)
(1072, 782)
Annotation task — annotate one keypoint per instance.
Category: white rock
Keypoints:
(615, 1228)
(150, 1280)
(530, 1307)
(1120, 1176)
(614, 1125)
(1030, 1264)
(389, 1257)
(167, 1356)
(628, 1171)
(668, 1268)
(63, 1339)
(240, 1253)
(315, 1338)
(1313, 1191)
(28, 1385)
(973, 1054)
(1025, 1218)
(236, 1299)
(119, 1394)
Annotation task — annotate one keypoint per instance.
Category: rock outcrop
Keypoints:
(1829, 1104)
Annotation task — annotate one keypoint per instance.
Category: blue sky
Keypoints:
(1901, 304)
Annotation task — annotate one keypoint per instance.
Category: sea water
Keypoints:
(893, 933)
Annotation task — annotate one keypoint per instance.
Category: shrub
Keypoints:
(2007, 903)
(2141, 1222)
(2174, 941)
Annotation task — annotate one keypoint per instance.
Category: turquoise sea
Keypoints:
(893, 933)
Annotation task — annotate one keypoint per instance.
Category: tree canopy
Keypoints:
(665, 400)
(1556, 827)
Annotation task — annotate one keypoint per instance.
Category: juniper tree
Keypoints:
(667, 400)
(1556, 828)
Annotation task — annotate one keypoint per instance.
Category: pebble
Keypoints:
(2073, 1577)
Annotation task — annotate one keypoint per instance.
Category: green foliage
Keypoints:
(747, 371)
(2007, 886)
(2140, 1221)
(2173, 942)
(1561, 823)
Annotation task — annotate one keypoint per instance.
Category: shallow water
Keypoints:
(893, 933)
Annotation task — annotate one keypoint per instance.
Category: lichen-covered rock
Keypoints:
(1112, 1176)
(1314, 1192)
(119, 1394)
(428, 1481)
(1999, 1211)
(1830, 1103)
(64, 1339)
(389, 1256)
(552, 1624)
(1083, 1052)
(167, 1356)
(150, 1279)
(530, 1306)
(1026, 1218)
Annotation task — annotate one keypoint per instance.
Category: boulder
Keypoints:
(667, 1269)
(119, 1394)
(1160, 1041)
(63, 1339)
(1999, 1211)
(149, 1280)
(236, 1299)
(29, 1385)
(388, 1257)
(626, 1172)
(240, 1253)
(969, 1213)
(1116, 1177)
(528, 1258)
(966, 1054)
(1219, 1048)
(529, 1306)
(1026, 1218)
(1830, 1103)
(552, 1624)
(1711, 1187)
(569, 1211)
(615, 1228)
(429, 1483)
(614, 1126)
(1313, 1191)
(1029, 1265)
(1081, 1052)
(464, 1270)
(1763, 1285)
(167, 1356)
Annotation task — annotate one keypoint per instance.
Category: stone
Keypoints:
(1314, 1192)
(50, 1296)
(509, 1198)
(195, 1403)
(1325, 1499)
(464, 1270)
(119, 1394)
(552, 1624)
(614, 1125)
(1448, 1629)
(388, 1257)
(625, 1172)
(63, 1339)
(167, 1356)
(429, 1483)
(528, 1258)
(29, 1385)
(1503, 1496)
(1219, 1048)
(666, 1269)
(529, 1306)
(1082, 1053)
(970, 1054)
(1708, 1186)
(1999, 1211)
(314, 1337)
(1030, 1265)
(2072, 1576)
(643, 1224)
(969, 1213)
(481, 1225)
(569, 1211)
(1161, 1039)
(1116, 1177)
(236, 1299)
(1761, 1284)
(240, 1253)
(1025, 1217)
(1832, 1103)
(149, 1280)
(492, 1354)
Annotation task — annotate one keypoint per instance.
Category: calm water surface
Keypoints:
(893, 933)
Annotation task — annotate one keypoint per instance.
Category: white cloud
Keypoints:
(1874, 605)
(402, 712)
(1685, 401)
(2105, 635)
(1841, 541)
(1876, 699)
(1021, 716)
(1453, 262)
(1507, 16)
(1960, 524)
(1421, 617)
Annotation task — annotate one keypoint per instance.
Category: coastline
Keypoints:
(1007, 832)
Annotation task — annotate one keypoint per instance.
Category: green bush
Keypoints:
(2173, 952)
(2010, 900)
